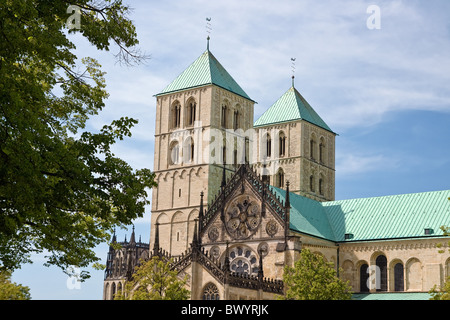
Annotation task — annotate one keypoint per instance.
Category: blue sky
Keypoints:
(384, 91)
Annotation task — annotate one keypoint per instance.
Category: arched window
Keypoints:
(322, 150)
(236, 120)
(280, 178)
(210, 292)
(174, 153)
(113, 290)
(268, 145)
(381, 273)
(321, 185)
(176, 115)
(224, 116)
(188, 152)
(311, 183)
(243, 261)
(399, 284)
(312, 147)
(190, 113)
(363, 278)
(282, 144)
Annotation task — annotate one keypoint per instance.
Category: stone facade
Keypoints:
(307, 160)
(216, 214)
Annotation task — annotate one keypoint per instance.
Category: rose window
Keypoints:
(242, 217)
(243, 261)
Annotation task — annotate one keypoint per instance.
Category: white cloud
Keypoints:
(350, 164)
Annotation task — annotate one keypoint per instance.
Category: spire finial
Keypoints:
(156, 244)
(288, 203)
(293, 70)
(195, 242)
(208, 30)
(132, 238)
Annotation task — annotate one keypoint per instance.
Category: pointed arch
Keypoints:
(210, 292)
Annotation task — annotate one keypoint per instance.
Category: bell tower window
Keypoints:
(190, 113)
(280, 178)
(282, 144)
(224, 116)
(176, 115)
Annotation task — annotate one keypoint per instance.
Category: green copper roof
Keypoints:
(390, 217)
(379, 218)
(290, 107)
(307, 216)
(392, 296)
(204, 71)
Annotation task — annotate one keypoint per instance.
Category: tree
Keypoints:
(443, 293)
(62, 190)
(10, 290)
(154, 280)
(312, 278)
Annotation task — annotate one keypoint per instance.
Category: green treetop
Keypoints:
(62, 190)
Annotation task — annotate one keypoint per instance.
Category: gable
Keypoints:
(238, 213)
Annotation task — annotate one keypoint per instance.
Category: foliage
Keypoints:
(10, 290)
(62, 191)
(443, 293)
(312, 278)
(154, 280)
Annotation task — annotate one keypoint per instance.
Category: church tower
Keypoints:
(296, 145)
(196, 116)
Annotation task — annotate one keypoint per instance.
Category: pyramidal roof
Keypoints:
(205, 70)
(291, 107)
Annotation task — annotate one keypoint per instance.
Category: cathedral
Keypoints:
(238, 199)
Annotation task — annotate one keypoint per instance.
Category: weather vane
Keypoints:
(208, 30)
(293, 69)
